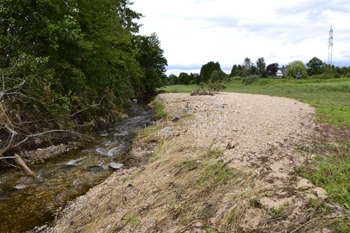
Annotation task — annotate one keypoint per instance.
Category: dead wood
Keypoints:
(20, 162)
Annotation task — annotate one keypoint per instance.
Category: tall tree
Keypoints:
(315, 66)
(260, 63)
(233, 71)
(247, 63)
(207, 69)
(151, 61)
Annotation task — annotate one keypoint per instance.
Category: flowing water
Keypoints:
(26, 202)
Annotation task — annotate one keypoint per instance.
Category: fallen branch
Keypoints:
(13, 134)
(52, 131)
(8, 157)
(20, 162)
(94, 105)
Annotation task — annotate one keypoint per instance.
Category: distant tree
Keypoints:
(271, 69)
(182, 78)
(234, 71)
(260, 63)
(296, 68)
(253, 70)
(315, 66)
(207, 69)
(247, 63)
(218, 76)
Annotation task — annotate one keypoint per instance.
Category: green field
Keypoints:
(331, 99)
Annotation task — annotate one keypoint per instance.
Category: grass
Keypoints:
(331, 99)
(159, 110)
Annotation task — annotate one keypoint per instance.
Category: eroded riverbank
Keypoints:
(26, 202)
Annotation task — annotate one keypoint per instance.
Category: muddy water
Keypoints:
(26, 202)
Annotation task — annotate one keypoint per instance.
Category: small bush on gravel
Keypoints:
(250, 79)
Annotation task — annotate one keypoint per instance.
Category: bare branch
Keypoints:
(48, 132)
(94, 105)
(8, 157)
(3, 87)
(13, 134)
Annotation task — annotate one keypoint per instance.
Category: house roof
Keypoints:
(282, 69)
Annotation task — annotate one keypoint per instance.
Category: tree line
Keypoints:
(72, 64)
(212, 71)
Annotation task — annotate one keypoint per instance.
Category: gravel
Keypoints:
(253, 122)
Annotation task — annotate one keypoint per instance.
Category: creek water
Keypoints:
(26, 202)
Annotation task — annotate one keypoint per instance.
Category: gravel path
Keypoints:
(250, 123)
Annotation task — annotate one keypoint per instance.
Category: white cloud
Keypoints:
(194, 32)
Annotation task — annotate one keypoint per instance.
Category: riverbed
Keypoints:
(26, 202)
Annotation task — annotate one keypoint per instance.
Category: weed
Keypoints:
(159, 110)
(216, 152)
(132, 219)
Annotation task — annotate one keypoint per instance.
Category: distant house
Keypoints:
(298, 76)
(280, 72)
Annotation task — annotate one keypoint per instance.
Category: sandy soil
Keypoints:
(254, 138)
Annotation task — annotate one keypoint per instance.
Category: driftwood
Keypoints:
(21, 163)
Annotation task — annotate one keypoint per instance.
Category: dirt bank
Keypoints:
(226, 165)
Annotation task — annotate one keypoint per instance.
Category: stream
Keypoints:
(26, 202)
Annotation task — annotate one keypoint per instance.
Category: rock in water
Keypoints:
(115, 166)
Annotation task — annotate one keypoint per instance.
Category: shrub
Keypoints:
(216, 86)
(337, 75)
(250, 79)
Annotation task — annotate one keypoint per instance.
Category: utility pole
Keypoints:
(330, 46)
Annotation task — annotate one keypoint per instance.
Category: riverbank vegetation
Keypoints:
(70, 66)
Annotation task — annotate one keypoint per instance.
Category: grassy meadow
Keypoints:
(331, 99)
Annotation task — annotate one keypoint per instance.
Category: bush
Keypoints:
(250, 79)
(237, 78)
(192, 82)
(216, 86)
(337, 75)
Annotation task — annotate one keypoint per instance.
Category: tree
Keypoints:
(207, 69)
(247, 63)
(233, 71)
(151, 61)
(295, 68)
(271, 69)
(315, 66)
(218, 76)
(260, 63)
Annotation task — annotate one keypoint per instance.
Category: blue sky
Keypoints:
(194, 32)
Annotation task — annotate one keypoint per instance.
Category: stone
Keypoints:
(115, 166)
(185, 109)
(20, 186)
(178, 117)
(220, 106)
(166, 129)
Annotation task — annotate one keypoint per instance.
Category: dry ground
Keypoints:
(226, 166)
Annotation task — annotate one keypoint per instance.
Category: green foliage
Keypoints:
(233, 71)
(207, 69)
(250, 79)
(159, 110)
(77, 54)
(218, 76)
(295, 68)
(261, 65)
(152, 63)
(315, 66)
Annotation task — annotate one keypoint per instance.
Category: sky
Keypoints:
(195, 32)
